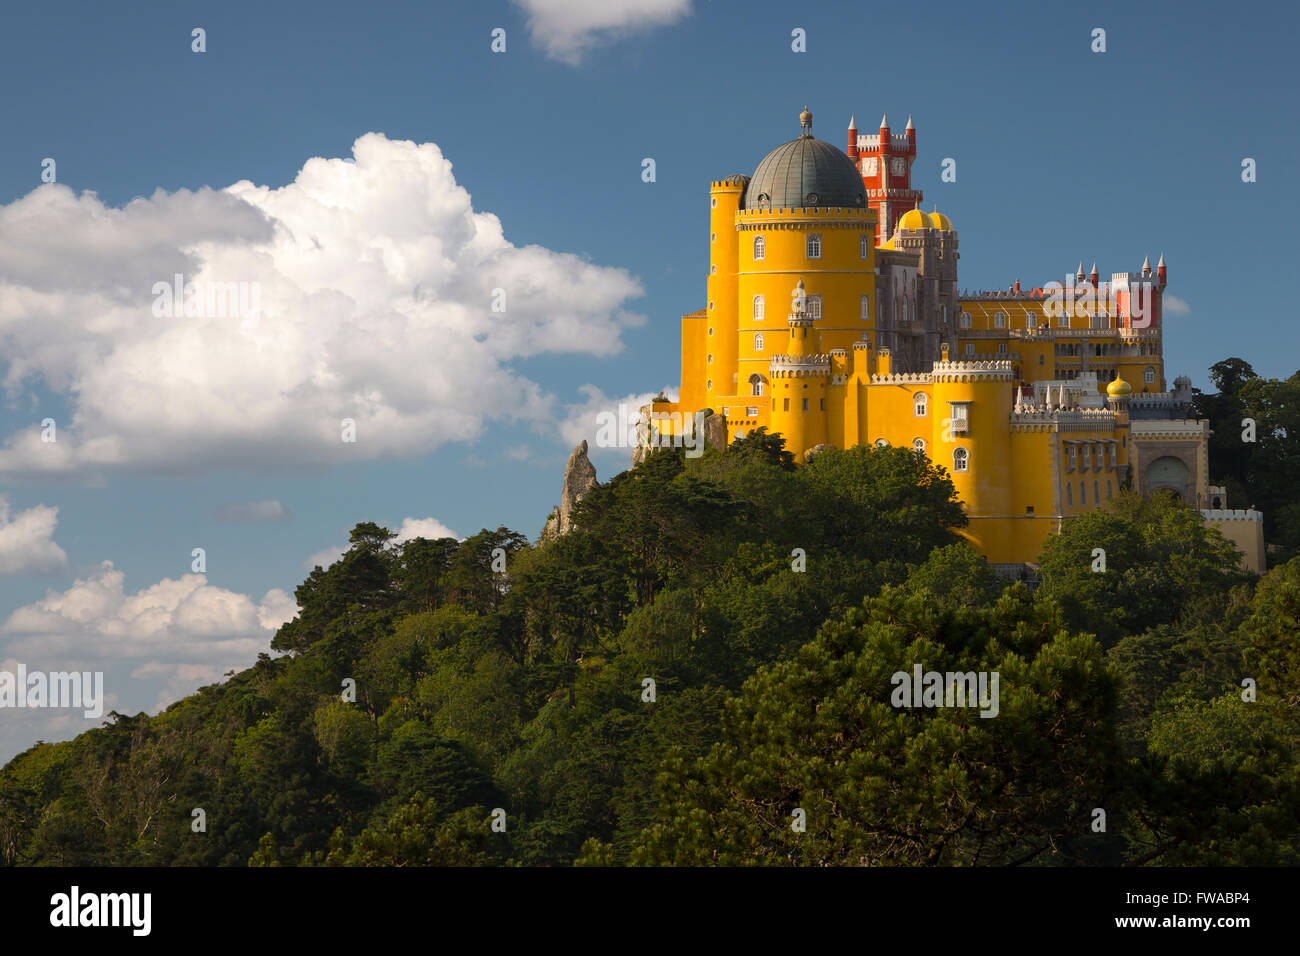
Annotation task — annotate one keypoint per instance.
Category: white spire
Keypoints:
(909, 122)
(1161, 263)
(853, 123)
(1080, 272)
(1146, 264)
(1094, 266)
(884, 120)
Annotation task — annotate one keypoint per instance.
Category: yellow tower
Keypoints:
(799, 381)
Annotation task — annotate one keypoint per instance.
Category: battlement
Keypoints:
(903, 378)
(802, 366)
(870, 142)
(796, 214)
(995, 370)
(1232, 514)
(738, 180)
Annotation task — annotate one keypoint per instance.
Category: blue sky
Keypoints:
(1062, 154)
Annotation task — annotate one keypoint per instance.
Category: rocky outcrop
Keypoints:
(715, 431)
(579, 476)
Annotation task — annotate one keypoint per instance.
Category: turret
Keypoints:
(853, 139)
(911, 135)
(1093, 276)
(1161, 274)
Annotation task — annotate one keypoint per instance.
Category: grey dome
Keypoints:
(805, 172)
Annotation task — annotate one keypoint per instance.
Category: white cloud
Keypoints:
(1174, 305)
(241, 512)
(430, 528)
(582, 420)
(376, 282)
(154, 645)
(26, 540)
(567, 29)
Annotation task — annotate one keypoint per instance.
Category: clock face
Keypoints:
(869, 166)
(899, 165)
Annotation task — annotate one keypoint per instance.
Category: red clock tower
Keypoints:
(884, 161)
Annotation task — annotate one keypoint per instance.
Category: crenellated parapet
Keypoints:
(903, 378)
(800, 366)
(1232, 514)
(994, 370)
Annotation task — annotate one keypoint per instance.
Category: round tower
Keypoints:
(799, 379)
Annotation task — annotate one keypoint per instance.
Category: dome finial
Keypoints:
(805, 122)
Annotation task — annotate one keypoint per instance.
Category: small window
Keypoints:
(1031, 320)
(713, 270)
(961, 460)
(918, 444)
(864, 246)
(710, 358)
(921, 407)
(760, 308)
(822, 404)
(1108, 491)
(1069, 495)
(713, 204)
(999, 320)
(710, 330)
(758, 344)
(1063, 320)
(1114, 456)
(1087, 456)
(1074, 457)
(964, 320)
(864, 308)
(713, 237)
(1083, 494)
(970, 349)
(758, 247)
(814, 246)
(1149, 376)
(805, 404)
(1096, 492)
(785, 405)
(1029, 509)
(1041, 359)
(815, 306)
(756, 384)
(751, 410)
(710, 386)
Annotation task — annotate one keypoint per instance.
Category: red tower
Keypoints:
(884, 161)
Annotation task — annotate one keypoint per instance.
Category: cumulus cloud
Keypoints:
(154, 645)
(567, 29)
(244, 512)
(430, 528)
(375, 282)
(1174, 305)
(27, 540)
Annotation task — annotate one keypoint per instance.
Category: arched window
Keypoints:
(758, 345)
(710, 359)
(759, 308)
(758, 247)
(961, 460)
(1031, 320)
(963, 320)
(814, 246)
(1149, 376)
(864, 246)
(921, 407)
(815, 306)
(918, 444)
(999, 320)
(864, 308)
(710, 385)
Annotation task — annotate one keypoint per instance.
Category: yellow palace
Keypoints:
(1039, 405)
